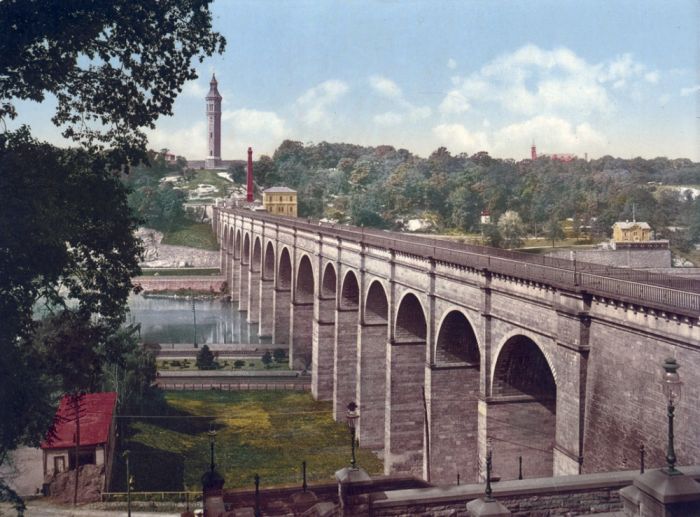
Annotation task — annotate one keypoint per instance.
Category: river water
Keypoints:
(171, 320)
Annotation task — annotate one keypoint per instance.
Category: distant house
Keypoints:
(625, 231)
(97, 434)
(280, 201)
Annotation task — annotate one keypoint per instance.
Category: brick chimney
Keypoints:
(249, 197)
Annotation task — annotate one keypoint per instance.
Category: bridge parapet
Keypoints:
(667, 293)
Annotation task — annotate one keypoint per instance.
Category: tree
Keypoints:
(553, 230)
(114, 66)
(267, 359)
(66, 233)
(512, 230)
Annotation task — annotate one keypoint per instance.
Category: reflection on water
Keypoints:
(170, 320)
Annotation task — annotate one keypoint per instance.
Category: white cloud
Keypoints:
(389, 89)
(531, 80)
(385, 87)
(552, 134)
(454, 103)
(255, 123)
(195, 89)
(190, 143)
(315, 102)
(389, 118)
(451, 64)
(459, 139)
(652, 77)
(685, 92)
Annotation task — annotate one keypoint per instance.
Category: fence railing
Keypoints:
(665, 292)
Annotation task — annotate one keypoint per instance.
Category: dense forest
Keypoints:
(383, 187)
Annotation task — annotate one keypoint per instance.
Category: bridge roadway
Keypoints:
(449, 349)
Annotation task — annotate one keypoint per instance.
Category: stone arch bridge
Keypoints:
(448, 348)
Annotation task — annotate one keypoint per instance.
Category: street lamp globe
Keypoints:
(671, 382)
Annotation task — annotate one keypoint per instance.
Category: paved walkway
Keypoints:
(43, 509)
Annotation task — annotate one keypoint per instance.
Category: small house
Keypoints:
(631, 231)
(280, 201)
(97, 434)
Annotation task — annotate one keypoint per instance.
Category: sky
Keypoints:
(597, 77)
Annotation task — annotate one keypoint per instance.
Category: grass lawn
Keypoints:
(249, 364)
(194, 235)
(265, 432)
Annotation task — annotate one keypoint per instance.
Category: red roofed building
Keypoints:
(97, 430)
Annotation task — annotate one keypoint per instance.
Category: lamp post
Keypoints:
(351, 416)
(488, 497)
(212, 440)
(128, 483)
(671, 385)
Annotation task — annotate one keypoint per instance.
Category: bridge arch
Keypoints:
(237, 245)
(454, 397)
(410, 320)
(282, 298)
(456, 339)
(305, 281)
(284, 271)
(350, 292)
(522, 421)
(245, 256)
(376, 304)
(406, 378)
(257, 255)
(328, 282)
(371, 376)
(323, 338)
(269, 262)
(302, 315)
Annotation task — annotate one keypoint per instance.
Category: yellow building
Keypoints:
(631, 231)
(280, 201)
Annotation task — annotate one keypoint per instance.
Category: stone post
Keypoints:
(353, 487)
(659, 494)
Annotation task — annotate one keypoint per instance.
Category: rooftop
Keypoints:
(274, 190)
(96, 410)
(627, 225)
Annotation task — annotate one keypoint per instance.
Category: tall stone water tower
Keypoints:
(213, 98)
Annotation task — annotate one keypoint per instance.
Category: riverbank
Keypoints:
(215, 285)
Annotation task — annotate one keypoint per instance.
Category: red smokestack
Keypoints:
(249, 198)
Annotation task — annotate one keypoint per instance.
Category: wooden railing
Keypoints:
(678, 295)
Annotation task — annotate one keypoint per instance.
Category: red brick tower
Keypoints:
(533, 152)
(249, 196)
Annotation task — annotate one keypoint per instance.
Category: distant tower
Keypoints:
(533, 151)
(249, 196)
(213, 159)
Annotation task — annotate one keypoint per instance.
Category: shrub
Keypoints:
(238, 363)
(205, 359)
(280, 355)
(267, 359)
(175, 364)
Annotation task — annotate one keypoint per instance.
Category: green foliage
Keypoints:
(379, 186)
(511, 229)
(114, 67)
(205, 359)
(238, 363)
(279, 355)
(553, 230)
(267, 359)
(194, 235)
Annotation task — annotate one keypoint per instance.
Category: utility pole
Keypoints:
(194, 319)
